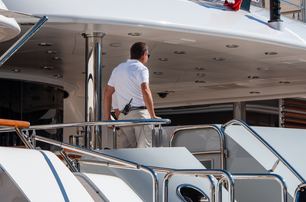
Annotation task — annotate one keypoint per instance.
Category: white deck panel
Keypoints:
(289, 143)
(113, 188)
(31, 172)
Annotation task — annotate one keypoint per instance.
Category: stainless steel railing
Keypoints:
(114, 162)
(224, 176)
(117, 161)
(215, 128)
(118, 123)
(265, 143)
(112, 123)
(240, 176)
(27, 138)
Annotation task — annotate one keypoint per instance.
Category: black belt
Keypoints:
(141, 107)
(133, 108)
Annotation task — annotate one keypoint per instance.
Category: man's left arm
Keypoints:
(148, 99)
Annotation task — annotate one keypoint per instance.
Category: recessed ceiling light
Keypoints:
(51, 52)
(172, 42)
(179, 52)
(134, 34)
(201, 75)
(200, 81)
(56, 58)
(199, 68)
(253, 77)
(164, 94)
(163, 59)
(16, 70)
(188, 40)
(231, 46)
(271, 53)
(47, 67)
(284, 82)
(158, 73)
(66, 94)
(45, 44)
(262, 68)
(218, 59)
(58, 76)
(115, 45)
(254, 92)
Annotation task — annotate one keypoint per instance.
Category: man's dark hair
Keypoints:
(137, 50)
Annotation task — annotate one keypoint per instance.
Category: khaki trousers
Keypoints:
(135, 136)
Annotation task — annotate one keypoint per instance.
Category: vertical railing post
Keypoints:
(93, 88)
(239, 110)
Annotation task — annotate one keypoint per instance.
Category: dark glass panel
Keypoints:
(34, 102)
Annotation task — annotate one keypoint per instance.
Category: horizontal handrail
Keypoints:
(14, 123)
(117, 123)
(207, 152)
(105, 164)
(265, 143)
(124, 163)
(256, 176)
(214, 127)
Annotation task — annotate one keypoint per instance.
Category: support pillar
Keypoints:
(93, 88)
(280, 113)
(240, 111)
(303, 7)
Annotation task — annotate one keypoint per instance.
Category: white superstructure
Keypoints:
(201, 54)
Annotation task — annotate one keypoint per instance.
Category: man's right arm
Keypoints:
(107, 102)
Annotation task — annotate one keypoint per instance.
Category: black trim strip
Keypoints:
(56, 176)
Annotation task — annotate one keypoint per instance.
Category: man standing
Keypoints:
(130, 81)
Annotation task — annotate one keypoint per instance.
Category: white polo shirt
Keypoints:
(127, 78)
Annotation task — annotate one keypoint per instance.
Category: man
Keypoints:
(130, 81)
